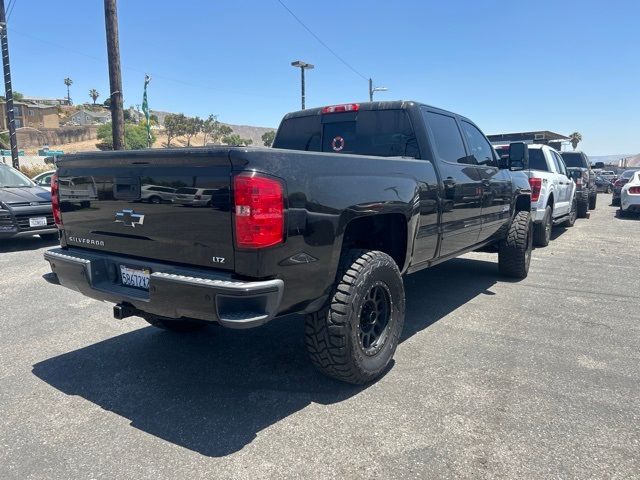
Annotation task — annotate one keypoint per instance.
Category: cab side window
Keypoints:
(560, 166)
(447, 137)
(479, 147)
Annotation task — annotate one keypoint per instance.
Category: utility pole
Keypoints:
(115, 77)
(302, 66)
(373, 90)
(8, 92)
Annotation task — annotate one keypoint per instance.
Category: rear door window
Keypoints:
(447, 137)
(573, 159)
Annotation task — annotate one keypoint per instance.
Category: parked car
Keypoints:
(157, 194)
(193, 197)
(630, 195)
(609, 175)
(25, 208)
(553, 193)
(43, 180)
(325, 224)
(579, 168)
(622, 180)
(603, 184)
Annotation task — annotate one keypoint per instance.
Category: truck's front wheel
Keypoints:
(514, 255)
(353, 338)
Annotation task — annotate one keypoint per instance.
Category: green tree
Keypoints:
(192, 126)
(174, 126)
(154, 119)
(235, 139)
(17, 96)
(68, 82)
(107, 103)
(268, 138)
(575, 138)
(135, 137)
(210, 128)
(94, 94)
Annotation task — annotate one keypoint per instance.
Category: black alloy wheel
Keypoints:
(374, 319)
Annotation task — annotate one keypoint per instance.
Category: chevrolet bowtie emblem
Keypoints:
(130, 218)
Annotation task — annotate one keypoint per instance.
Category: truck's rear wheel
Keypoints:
(514, 255)
(353, 338)
(181, 325)
(583, 206)
(542, 231)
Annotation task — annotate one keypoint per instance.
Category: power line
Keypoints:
(322, 43)
(154, 74)
(12, 3)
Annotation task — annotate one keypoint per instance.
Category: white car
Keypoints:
(157, 194)
(193, 197)
(43, 180)
(630, 195)
(553, 192)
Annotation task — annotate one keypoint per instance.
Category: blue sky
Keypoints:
(507, 65)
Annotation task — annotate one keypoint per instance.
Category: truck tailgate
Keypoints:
(161, 205)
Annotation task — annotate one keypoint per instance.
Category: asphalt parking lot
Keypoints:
(493, 379)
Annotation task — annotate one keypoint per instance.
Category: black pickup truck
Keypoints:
(350, 198)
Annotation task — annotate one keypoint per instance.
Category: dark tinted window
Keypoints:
(537, 160)
(448, 141)
(628, 173)
(573, 159)
(560, 168)
(385, 133)
(478, 144)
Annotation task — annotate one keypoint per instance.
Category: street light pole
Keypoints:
(373, 90)
(302, 66)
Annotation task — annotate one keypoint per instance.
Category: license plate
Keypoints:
(38, 222)
(135, 277)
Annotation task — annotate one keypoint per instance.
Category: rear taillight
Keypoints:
(259, 211)
(634, 190)
(55, 201)
(619, 183)
(347, 107)
(579, 181)
(536, 187)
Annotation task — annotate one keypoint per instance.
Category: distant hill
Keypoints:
(245, 131)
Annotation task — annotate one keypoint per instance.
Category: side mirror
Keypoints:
(518, 156)
(599, 165)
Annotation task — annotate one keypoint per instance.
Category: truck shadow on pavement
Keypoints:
(25, 243)
(213, 392)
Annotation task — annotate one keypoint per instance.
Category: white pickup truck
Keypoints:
(553, 193)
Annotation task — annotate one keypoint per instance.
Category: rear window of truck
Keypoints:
(572, 159)
(537, 160)
(385, 133)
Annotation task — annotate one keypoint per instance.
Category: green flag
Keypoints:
(145, 109)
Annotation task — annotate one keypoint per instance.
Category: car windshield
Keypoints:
(11, 178)
(572, 159)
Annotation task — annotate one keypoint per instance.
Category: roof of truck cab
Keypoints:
(386, 105)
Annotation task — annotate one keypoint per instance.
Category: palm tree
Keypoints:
(575, 138)
(94, 94)
(68, 82)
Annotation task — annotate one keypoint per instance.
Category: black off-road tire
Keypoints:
(615, 202)
(592, 201)
(179, 326)
(155, 199)
(583, 206)
(542, 231)
(514, 255)
(569, 222)
(336, 335)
